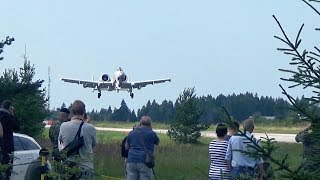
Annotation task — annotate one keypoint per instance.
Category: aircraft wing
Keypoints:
(140, 84)
(89, 84)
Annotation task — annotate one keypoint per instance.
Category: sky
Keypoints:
(218, 47)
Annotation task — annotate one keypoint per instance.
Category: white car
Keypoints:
(26, 151)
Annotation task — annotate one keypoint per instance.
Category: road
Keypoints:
(290, 138)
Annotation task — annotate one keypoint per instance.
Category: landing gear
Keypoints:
(131, 95)
(99, 94)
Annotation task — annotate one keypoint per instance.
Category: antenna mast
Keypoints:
(49, 81)
(25, 57)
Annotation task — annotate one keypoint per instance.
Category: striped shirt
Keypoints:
(218, 164)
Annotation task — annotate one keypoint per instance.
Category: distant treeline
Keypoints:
(239, 106)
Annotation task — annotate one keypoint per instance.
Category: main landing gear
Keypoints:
(99, 94)
(131, 95)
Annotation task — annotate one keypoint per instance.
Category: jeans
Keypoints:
(138, 171)
(242, 171)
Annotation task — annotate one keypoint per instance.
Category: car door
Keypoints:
(26, 151)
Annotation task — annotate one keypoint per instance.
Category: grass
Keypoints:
(294, 151)
(265, 127)
(278, 129)
(173, 161)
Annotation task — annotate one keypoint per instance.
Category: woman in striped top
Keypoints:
(217, 150)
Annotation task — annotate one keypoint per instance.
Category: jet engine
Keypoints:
(123, 77)
(105, 77)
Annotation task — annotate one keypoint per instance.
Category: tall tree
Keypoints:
(28, 97)
(186, 127)
(123, 113)
(133, 116)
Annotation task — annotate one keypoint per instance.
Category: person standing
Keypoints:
(55, 129)
(311, 147)
(238, 162)
(35, 169)
(217, 150)
(69, 129)
(135, 167)
(232, 129)
(9, 124)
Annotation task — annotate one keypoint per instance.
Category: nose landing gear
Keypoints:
(99, 94)
(131, 95)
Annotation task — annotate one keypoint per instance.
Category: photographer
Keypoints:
(136, 168)
(55, 129)
(9, 124)
(69, 129)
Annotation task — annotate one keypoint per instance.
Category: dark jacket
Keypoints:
(9, 124)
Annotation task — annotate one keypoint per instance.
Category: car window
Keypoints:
(28, 144)
(17, 144)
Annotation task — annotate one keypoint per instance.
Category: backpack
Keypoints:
(124, 152)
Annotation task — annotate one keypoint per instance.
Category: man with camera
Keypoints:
(9, 124)
(68, 131)
(55, 129)
(140, 140)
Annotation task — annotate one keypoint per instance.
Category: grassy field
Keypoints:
(173, 161)
(272, 127)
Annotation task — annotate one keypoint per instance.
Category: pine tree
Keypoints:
(27, 97)
(306, 73)
(186, 127)
(63, 105)
(133, 116)
(7, 41)
(123, 113)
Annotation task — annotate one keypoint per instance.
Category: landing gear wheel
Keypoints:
(131, 95)
(99, 94)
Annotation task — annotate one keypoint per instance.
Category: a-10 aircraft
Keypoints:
(117, 83)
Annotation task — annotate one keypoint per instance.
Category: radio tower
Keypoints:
(49, 81)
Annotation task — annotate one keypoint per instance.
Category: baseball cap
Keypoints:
(65, 110)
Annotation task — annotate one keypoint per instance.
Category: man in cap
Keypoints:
(55, 128)
(136, 168)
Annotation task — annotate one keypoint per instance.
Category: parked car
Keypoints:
(26, 151)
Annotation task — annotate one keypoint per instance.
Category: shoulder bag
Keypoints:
(73, 147)
(149, 161)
